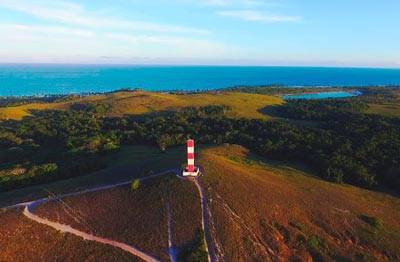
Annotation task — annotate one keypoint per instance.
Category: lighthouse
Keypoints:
(191, 169)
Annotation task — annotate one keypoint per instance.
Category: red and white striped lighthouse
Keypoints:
(190, 155)
(191, 169)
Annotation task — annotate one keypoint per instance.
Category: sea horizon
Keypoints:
(41, 79)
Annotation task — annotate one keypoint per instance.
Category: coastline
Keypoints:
(329, 89)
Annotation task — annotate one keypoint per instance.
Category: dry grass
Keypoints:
(138, 218)
(186, 211)
(140, 102)
(23, 240)
(262, 209)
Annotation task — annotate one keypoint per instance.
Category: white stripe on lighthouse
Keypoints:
(191, 162)
(190, 150)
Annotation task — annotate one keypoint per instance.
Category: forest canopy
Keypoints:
(347, 145)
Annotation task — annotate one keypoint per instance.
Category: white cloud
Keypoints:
(20, 30)
(73, 14)
(25, 43)
(217, 2)
(171, 45)
(250, 15)
(240, 3)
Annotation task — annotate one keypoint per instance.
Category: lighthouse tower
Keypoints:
(191, 169)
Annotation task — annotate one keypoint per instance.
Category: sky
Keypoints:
(348, 33)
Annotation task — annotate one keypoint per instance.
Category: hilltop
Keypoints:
(271, 209)
(259, 211)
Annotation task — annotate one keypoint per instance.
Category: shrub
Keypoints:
(196, 251)
(135, 185)
(313, 242)
(373, 221)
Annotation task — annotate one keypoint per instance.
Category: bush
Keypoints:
(373, 221)
(313, 242)
(135, 185)
(196, 251)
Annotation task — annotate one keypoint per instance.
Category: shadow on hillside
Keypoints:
(252, 158)
(144, 116)
(272, 110)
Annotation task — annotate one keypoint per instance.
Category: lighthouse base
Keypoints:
(195, 173)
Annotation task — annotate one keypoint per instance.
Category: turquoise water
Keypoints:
(323, 95)
(18, 80)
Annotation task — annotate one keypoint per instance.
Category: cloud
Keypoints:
(30, 43)
(251, 10)
(172, 45)
(217, 2)
(20, 30)
(240, 3)
(257, 16)
(73, 14)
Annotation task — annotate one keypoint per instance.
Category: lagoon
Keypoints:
(323, 95)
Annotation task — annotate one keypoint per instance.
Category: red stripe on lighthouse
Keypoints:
(190, 147)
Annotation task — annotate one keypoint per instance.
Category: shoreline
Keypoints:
(334, 89)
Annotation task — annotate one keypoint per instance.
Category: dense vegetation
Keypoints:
(16, 101)
(196, 251)
(348, 145)
(281, 90)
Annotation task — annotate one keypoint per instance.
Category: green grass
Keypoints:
(387, 109)
(129, 163)
(144, 103)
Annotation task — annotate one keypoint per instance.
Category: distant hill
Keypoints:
(138, 103)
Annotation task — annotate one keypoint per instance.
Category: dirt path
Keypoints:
(28, 212)
(241, 225)
(171, 249)
(30, 206)
(205, 219)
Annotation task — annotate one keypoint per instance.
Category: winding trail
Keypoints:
(28, 212)
(204, 222)
(171, 249)
(205, 218)
(30, 207)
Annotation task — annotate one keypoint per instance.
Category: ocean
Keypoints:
(26, 80)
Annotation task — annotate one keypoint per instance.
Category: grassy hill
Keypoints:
(260, 211)
(144, 103)
(270, 210)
